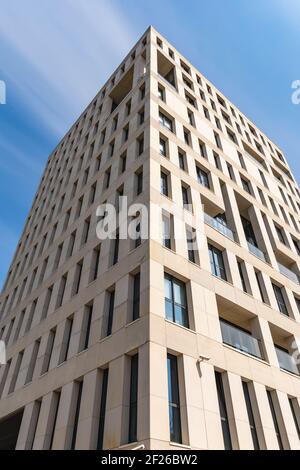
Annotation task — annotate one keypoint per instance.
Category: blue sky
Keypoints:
(56, 54)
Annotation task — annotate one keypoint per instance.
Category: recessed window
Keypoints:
(217, 262)
(203, 177)
(278, 291)
(202, 148)
(176, 301)
(182, 160)
(163, 146)
(161, 93)
(164, 183)
(174, 400)
(166, 121)
(167, 230)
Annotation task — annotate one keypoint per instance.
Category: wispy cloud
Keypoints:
(68, 48)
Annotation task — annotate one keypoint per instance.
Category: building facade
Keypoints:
(158, 341)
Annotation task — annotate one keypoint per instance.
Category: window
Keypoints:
(79, 386)
(242, 161)
(190, 99)
(202, 148)
(141, 116)
(111, 306)
(261, 286)
(280, 235)
(77, 278)
(49, 350)
(32, 362)
(174, 400)
(123, 158)
(86, 326)
(246, 186)
(61, 291)
(115, 249)
(217, 262)
(241, 267)
(182, 160)
(218, 140)
(136, 296)
(139, 181)
(140, 145)
(191, 244)
(56, 401)
(95, 264)
(175, 301)
(167, 230)
(223, 411)
(102, 409)
(115, 123)
(206, 113)
(161, 93)
(66, 340)
(250, 416)
(297, 246)
(294, 406)
(164, 183)
(128, 108)
(186, 197)
(231, 135)
(163, 146)
(107, 178)
(203, 177)
(217, 161)
(218, 123)
(191, 118)
(187, 137)
(16, 372)
(275, 420)
(166, 121)
(133, 398)
(142, 91)
(278, 291)
(125, 133)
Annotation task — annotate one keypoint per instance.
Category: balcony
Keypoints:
(217, 225)
(240, 340)
(288, 273)
(286, 362)
(256, 252)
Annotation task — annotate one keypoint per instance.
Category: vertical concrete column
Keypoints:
(262, 331)
(265, 416)
(232, 215)
(28, 426)
(143, 410)
(65, 418)
(89, 411)
(288, 423)
(115, 405)
(159, 404)
(211, 407)
(239, 412)
(46, 423)
(262, 234)
(194, 404)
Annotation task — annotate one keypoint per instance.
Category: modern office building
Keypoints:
(117, 342)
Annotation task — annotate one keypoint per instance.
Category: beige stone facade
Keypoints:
(115, 346)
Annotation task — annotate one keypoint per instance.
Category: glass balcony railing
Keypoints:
(288, 273)
(240, 339)
(222, 228)
(256, 251)
(286, 362)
